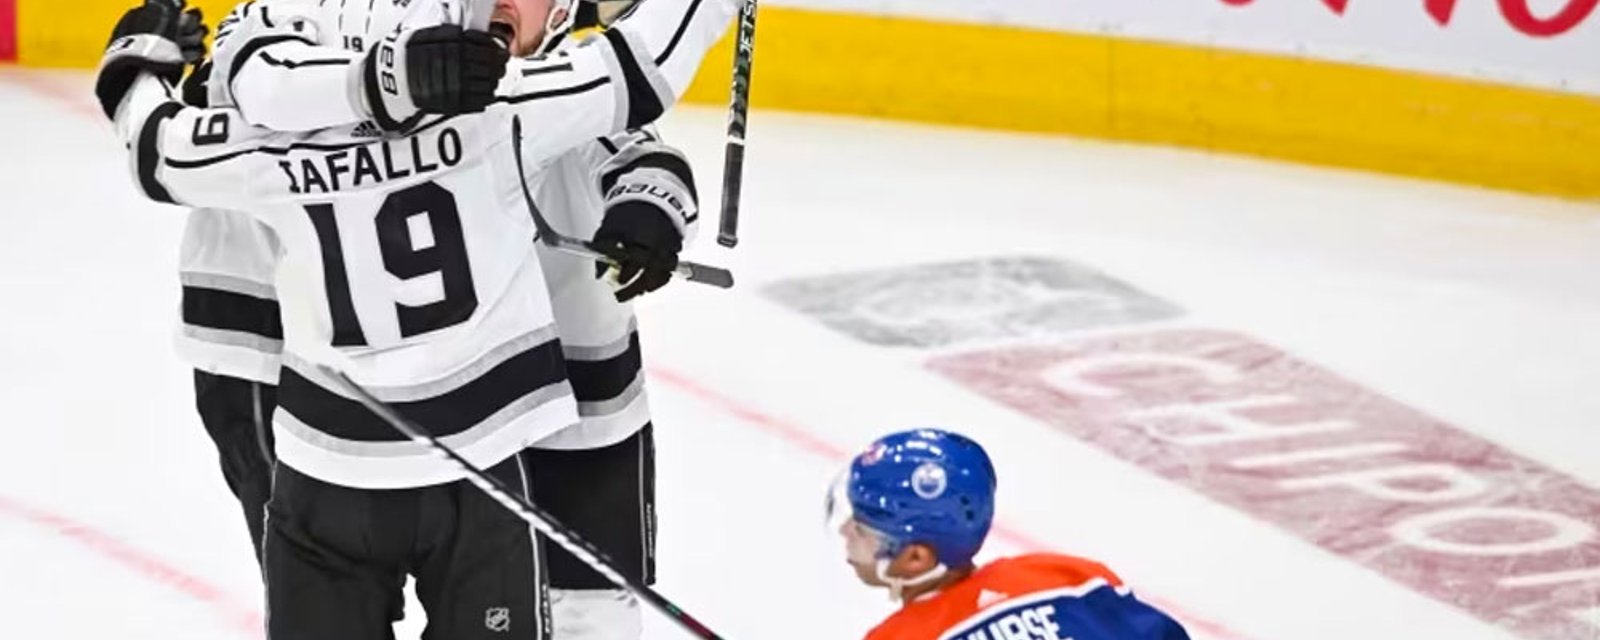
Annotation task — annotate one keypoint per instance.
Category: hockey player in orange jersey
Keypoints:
(915, 508)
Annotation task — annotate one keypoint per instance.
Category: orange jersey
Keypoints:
(1033, 597)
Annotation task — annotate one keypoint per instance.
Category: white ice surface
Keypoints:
(1477, 307)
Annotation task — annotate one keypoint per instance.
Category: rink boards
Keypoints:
(1501, 94)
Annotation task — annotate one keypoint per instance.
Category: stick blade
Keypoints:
(706, 274)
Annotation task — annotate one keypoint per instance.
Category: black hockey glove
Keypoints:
(146, 40)
(642, 245)
(195, 91)
(440, 70)
(191, 37)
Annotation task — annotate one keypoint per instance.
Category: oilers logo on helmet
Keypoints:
(929, 481)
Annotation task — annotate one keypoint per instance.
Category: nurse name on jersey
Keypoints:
(1028, 622)
(362, 166)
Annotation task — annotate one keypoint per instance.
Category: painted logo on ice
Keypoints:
(972, 302)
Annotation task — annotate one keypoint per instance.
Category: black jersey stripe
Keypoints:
(683, 26)
(254, 46)
(206, 162)
(271, 151)
(149, 153)
(229, 311)
(296, 64)
(644, 105)
(443, 415)
(557, 92)
(535, 71)
(601, 380)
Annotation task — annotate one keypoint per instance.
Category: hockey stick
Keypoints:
(691, 271)
(738, 111)
(525, 509)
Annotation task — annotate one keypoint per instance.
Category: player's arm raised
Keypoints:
(276, 62)
(270, 62)
(625, 79)
(180, 154)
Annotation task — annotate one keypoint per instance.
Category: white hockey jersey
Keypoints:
(229, 318)
(599, 335)
(230, 323)
(401, 266)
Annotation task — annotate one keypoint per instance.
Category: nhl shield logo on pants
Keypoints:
(497, 619)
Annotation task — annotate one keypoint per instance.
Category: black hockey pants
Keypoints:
(237, 414)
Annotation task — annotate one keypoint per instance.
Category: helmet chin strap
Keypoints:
(556, 26)
(897, 586)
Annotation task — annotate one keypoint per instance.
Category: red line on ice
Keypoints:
(240, 617)
(66, 90)
(797, 435)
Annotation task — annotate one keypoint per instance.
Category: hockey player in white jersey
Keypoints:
(634, 195)
(402, 269)
(230, 331)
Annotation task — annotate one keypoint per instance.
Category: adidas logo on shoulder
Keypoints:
(366, 130)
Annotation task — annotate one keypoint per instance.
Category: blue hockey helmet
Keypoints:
(923, 486)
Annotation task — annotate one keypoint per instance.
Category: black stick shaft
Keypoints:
(541, 520)
(738, 113)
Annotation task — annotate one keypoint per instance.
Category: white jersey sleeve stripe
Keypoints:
(602, 351)
(231, 284)
(602, 430)
(217, 353)
(230, 321)
(224, 337)
(614, 404)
